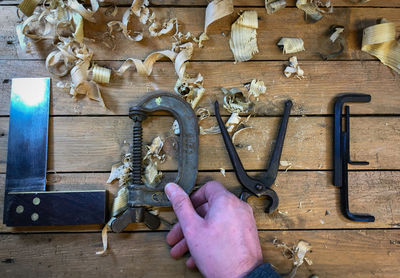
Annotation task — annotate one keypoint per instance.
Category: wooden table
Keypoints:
(85, 141)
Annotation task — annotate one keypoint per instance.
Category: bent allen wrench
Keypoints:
(141, 196)
(341, 153)
(253, 186)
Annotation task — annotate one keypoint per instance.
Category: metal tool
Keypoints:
(26, 202)
(341, 153)
(141, 196)
(253, 186)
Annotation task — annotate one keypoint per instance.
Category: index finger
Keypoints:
(207, 193)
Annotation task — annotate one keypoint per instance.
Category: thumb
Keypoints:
(182, 205)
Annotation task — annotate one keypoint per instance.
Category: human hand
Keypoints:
(217, 228)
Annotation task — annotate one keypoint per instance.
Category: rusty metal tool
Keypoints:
(26, 201)
(253, 186)
(341, 153)
(141, 197)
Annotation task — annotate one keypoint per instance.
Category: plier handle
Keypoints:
(253, 186)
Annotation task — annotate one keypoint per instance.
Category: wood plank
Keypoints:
(93, 143)
(312, 95)
(271, 29)
(248, 3)
(357, 253)
(305, 198)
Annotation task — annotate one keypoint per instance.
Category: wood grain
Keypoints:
(354, 253)
(256, 3)
(94, 143)
(308, 200)
(311, 96)
(288, 23)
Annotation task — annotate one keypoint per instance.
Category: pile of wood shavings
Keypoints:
(297, 253)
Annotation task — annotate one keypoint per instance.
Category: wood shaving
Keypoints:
(151, 174)
(243, 41)
(145, 68)
(138, 9)
(336, 33)
(380, 41)
(175, 128)
(101, 74)
(232, 122)
(85, 13)
(291, 45)
(211, 130)
(191, 89)
(215, 10)
(203, 113)
(154, 150)
(336, 36)
(28, 6)
(63, 23)
(274, 5)
(256, 88)
(240, 130)
(297, 253)
(293, 69)
(156, 30)
(235, 101)
(314, 9)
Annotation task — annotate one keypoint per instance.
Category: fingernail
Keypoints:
(169, 189)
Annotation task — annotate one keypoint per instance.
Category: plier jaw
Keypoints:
(254, 187)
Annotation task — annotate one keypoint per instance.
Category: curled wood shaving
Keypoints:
(28, 6)
(291, 45)
(122, 171)
(380, 41)
(140, 10)
(151, 174)
(154, 150)
(337, 30)
(242, 128)
(191, 89)
(85, 13)
(256, 88)
(294, 68)
(203, 113)
(80, 85)
(297, 253)
(236, 101)
(146, 67)
(232, 122)
(101, 74)
(211, 130)
(274, 5)
(243, 41)
(215, 10)
(335, 36)
(313, 9)
(156, 30)
(63, 23)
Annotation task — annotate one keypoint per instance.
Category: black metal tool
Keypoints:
(141, 196)
(341, 153)
(26, 202)
(251, 185)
